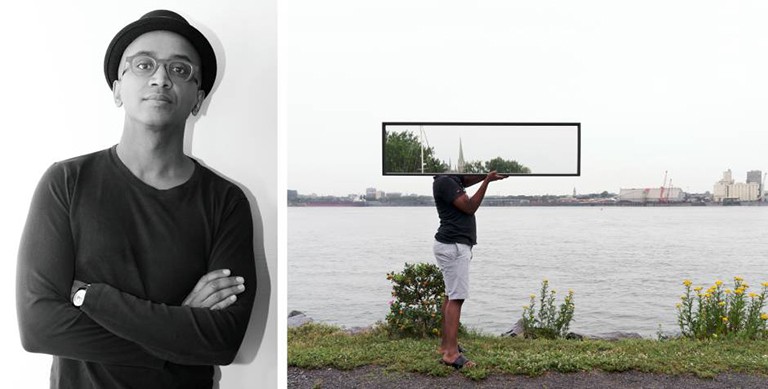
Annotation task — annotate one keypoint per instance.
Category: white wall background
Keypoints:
(56, 104)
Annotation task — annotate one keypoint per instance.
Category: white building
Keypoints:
(727, 188)
(372, 194)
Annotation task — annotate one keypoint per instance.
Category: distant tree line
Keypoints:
(498, 164)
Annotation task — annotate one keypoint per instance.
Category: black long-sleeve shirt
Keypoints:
(142, 250)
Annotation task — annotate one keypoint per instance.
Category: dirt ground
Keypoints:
(377, 377)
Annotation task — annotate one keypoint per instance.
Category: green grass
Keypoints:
(315, 346)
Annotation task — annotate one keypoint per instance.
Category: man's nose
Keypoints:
(161, 77)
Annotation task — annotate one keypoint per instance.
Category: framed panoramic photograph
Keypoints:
(515, 149)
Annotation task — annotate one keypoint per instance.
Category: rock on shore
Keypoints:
(298, 319)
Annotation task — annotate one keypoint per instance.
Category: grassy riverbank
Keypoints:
(317, 346)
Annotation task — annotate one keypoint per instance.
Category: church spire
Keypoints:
(460, 163)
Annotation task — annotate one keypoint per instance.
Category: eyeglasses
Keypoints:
(144, 65)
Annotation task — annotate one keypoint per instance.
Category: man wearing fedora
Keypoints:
(136, 266)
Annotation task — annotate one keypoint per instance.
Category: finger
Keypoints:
(204, 280)
(220, 284)
(196, 299)
(224, 304)
(223, 295)
(211, 276)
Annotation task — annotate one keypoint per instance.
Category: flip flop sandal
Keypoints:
(458, 363)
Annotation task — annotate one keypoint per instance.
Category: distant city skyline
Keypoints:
(428, 190)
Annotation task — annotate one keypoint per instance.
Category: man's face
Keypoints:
(162, 97)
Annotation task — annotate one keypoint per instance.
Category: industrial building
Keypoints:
(754, 176)
(727, 190)
(652, 195)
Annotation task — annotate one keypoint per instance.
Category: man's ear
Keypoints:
(199, 103)
(116, 93)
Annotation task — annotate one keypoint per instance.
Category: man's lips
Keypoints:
(158, 97)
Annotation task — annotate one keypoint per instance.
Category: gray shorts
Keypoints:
(453, 260)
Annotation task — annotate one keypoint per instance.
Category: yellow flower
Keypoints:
(738, 278)
(698, 288)
(533, 296)
(678, 305)
(752, 294)
(722, 303)
(764, 316)
(765, 284)
(725, 319)
(687, 282)
(707, 295)
(718, 282)
(683, 297)
(546, 281)
(525, 307)
(739, 292)
(728, 291)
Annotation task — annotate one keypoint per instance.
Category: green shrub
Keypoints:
(549, 323)
(418, 293)
(722, 312)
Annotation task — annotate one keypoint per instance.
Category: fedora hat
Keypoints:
(166, 21)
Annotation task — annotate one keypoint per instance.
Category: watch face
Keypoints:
(79, 297)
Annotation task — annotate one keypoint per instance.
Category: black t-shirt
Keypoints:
(455, 225)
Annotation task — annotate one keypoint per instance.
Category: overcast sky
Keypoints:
(677, 86)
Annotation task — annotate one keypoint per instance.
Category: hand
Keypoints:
(493, 176)
(215, 290)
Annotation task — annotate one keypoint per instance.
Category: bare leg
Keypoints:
(443, 308)
(451, 317)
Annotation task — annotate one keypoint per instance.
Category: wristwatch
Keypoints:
(79, 296)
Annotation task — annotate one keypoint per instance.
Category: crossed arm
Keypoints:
(114, 327)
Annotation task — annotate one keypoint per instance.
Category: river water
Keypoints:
(625, 264)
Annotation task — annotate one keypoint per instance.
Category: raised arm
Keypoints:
(469, 205)
(468, 181)
(48, 322)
